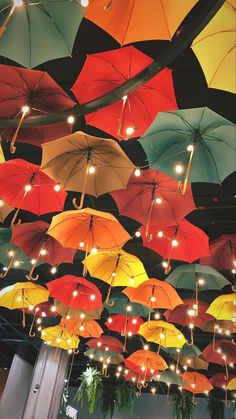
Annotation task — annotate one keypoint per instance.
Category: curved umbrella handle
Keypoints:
(13, 221)
(182, 187)
(111, 304)
(227, 404)
(4, 273)
(109, 3)
(193, 400)
(233, 341)
(30, 276)
(191, 337)
(226, 371)
(168, 395)
(74, 204)
(167, 267)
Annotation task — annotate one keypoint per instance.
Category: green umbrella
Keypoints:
(187, 350)
(169, 377)
(197, 277)
(33, 32)
(195, 145)
(121, 302)
(105, 357)
(189, 355)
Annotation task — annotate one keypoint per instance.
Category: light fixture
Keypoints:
(153, 299)
(28, 188)
(162, 335)
(160, 234)
(53, 309)
(16, 263)
(157, 316)
(94, 250)
(71, 118)
(84, 3)
(25, 108)
(132, 281)
(174, 242)
(134, 321)
(53, 269)
(179, 168)
(92, 297)
(82, 316)
(43, 252)
(31, 307)
(153, 390)
(201, 281)
(109, 320)
(67, 317)
(128, 308)
(75, 293)
(91, 169)
(137, 172)
(145, 347)
(81, 244)
(158, 201)
(130, 130)
(190, 147)
(191, 312)
(137, 233)
(33, 261)
(130, 334)
(57, 187)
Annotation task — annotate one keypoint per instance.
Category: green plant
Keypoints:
(90, 388)
(182, 405)
(126, 394)
(215, 407)
(117, 396)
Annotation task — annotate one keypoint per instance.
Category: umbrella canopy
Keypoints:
(124, 20)
(46, 30)
(59, 337)
(148, 360)
(220, 327)
(127, 325)
(80, 162)
(21, 88)
(135, 377)
(104, 356)
(179, 142)
(184, 314)
(74, 291)
(122, 305)
(191, 351)
(153, 196)
(86, 329)
(37, 244)
(222, 253)
(223, 354)
(196, 383)
(219, 380)
(231, 384)
(106, 343)
(195, 363)
(88, 229)
(154, 293)
(23, 185)
(5, 210)
(162, 333)
(131, 115)
(169, 377)
(77, 314)
(223, 307)
(218, 36)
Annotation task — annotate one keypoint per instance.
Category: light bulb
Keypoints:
(19, 298)
(132, 281)
(158, 201)
(81, 244)
(189, 361)
(227, 332)
(195, 306)
(67, 317)
(82, 316)
(119, 368)
(178, 350)
(109, 320)
(26, 108)
(11, 253)
(43, 252)
(190, 147)
(177, 371)
(99, 344)
(157, 316)
(128, 308)
(162, 335)
(117, 374)
(152, 371)
(137, 233)
(174, 242)
(33, 261)
(201, 281)
(106, 348)
(44, 314)
(164, 264)
(172, 367)
(153, 390)
(16, 263)
(69, 351)
(28, 188)
(71, 118)
(43, 333)
(130, 334)
(218, 350)
(193, 385)
(31, 307)
(153, 299)
(220, 331)
(84, 3)
(53, 309)
(179, 336)
(129, 130)
(133, 379)
(75, 293)
(1, 203)
(142, 368)
(126, 371)
(158, 377)
(39, 328)
(134, 321)
(53, 269)
(57, 187)
(94, 250)
(191, 312)
(92, 297)
(91, 356)
(233, 271)
(113, 274)
(58, 340)
(231, 364)
(180, 388)
(137, 172)
(39, 321)
(81, 328)
(124, 98)
(191, 326)
(145, 347)
(68, 341)
(91, 170)
(160, 234)
(179, 168)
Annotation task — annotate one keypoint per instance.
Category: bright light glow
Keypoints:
(11, 253)
(126, 371)
(193, 385)
(179, 336)
(106, 348)
(81, 328)
(158, 201)
(69, 351)
(189, 361)
(172, 367)
(137, 233)
(201, 281)
(231, 364)
(43, 252)
(71, 118)
(153, 390)
(113, 274)
(53, 309)
(134, 321)
(91, 170)
(119, 368)
(177, 371)
(43, 333)
(132, 281)
(153, 299)
(158, 377)
(164, 264)
(68, 341)
(220, 331)
(53, 270)
(224, 357)
(142, 368)
(75, 293)
(128, 308)
(33, 261)
(1, 203)
(67, 317)
(160, 234)
(26, 108)
(137, 172)
(109, 320)
(191, 326)
(39, 328)
(174, 242)
(19, 298)
(227, 332)
(28, 188)
(117, 374)
(18, 3)
(44, 314)
(58, 340)
(94, 250)
(218, 350)
(195, 306)
(16, 263)
(233, 271)
(145, 348)
(191, 312)
(57, 187)
(99, 344)
(179, 168)
(38, 321)
(180, 388)
(190, 147)
(157, 316)
(82, 316)
(162, 335)
(31, 307)
(133, 379)
(81, 244)
(129, 130)
(130, 334)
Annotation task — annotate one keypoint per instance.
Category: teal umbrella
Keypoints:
(187, 350)
(169, 377)
(195, 145)
(189, 356)
(121, 302)
(197, 277)
(33, 32)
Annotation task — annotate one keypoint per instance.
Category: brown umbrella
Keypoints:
(80, 162)
(76, 313)
(196, 363)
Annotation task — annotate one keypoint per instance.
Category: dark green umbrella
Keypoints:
(195, 145)
(33, 32)
(169, 377)
(121, 302)
(189, 356)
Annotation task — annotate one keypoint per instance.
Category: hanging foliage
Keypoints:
(89, 389)
(182, 405)
(215, 407)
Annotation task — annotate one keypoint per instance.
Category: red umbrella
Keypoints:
(183, 241)
(132, 115)
(74, 291)
(33, 239)
(124, 324)
(24, 186)
(222, 253)
(26, 92)
(106, 343)
(135, 377)
(189, 314)
(219, 380)
(154, 197)
(224, 354)
(40, 312)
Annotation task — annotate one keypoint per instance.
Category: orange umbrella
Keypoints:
(86, 329)
(130, 21)
(154, 294)
(80, 162)
(88, 229)
(196, 383)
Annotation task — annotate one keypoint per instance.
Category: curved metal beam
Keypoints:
(206, 11)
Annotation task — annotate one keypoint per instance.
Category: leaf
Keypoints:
(215, 407)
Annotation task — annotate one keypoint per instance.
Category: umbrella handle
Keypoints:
(226, 371)
(149, 236)
(191, 337)
(108, 5)
(227, 404)
(14, 138)
(31, 277)
(5, 23)
(23, 308)
(214, 341)
(31, 333)
(119, 130)
(13, 221)
(168, 267)
(168, 395)
(4, 274)
(182, 187)
(83, 188)
(233, 342)
(111, 304)
(74, 204)
(193, 400)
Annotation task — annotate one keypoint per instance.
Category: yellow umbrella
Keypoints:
(215, 48)
(60, 338)
(118, 269)
(2, 158)
(163, 333)
(223, 307)
(231, 384)
(23, 295)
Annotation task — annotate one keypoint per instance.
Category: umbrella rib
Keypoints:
(128, 23)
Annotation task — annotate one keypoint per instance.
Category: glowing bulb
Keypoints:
(164, 264)
(179, 168)
(28, 188)
(190, 147)
(94, 250)
(39, 328)
(33, 261)
(38, 321)
(134, 321)
(132, 281)
(177, 371)
(185, 367)
(99, 344)
(201, 281)
(81, 244)
(162, 335)
(133, 379)
(67, 317)
(137, 172)
(19, 299)
(224, 357)
(113, 274)
(26, 108)
(153, 299)
(160, 234)
(109, 320)
(31, 307)
(69, 351)
(17, 263)
(191, 326)
(158, 377)
(129, 130)
(44, 314)
(130, 334)
(172, 367)
(91, 170)
(178, 350)
(231, 364)
(153, 390)
(57, 187)
(1, 203)
(53, 309)
(82, 315)
(53, 269)
(193, 385)
(128, 308)
(58, 340)
(43, 252)
(158, 201)
(126, 371)
(75, 293)
(145, 347)
(180, 388)
(195, 306)
(233, 271)
(218, 350)
(91, 356)
(206, 392)
(119, 369)
(71, 118)
(137, 233)
(157, 316)
(106, 348)
(92, 297)
(189, 361)
(174, 242)
(179, 336)
(81, 328)
(142, 368)
(227, 332)
(43, 333)
(124, 98)
(11, 253)
(68, 341)
(117, 374)
(191, 312)
(220, 331)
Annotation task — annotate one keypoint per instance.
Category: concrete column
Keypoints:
(47, 384)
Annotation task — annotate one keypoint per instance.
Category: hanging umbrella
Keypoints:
(153, 196)
(37, 244)
(169, 377)
(105, 357)
(180, 142)
(74, 291)
(163, 333)
(196, 383)
(124, 19)
(80, 162)
(124, 324)
(122, 305)
(22, 295)
(187, 314)
(223, 354)
(5, 210)
(40, 312)
(197, 278)
(58, 337)
(88, 229)
(86, 329)
(188, 356)
(219, 380)
(106, 343)
(222, 253)
(31, 92)
(24, 186)
(223, 307)
(77, 314)
(183, 241)
(219, 328)
(154, 293)
(141, 370)
(131, 115)
(130, 375)
(116, 268)
(218, 37)
(47, 30)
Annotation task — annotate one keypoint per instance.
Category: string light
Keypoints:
(145, 347)
(137, 233)
(109, 320)
(69, 351)
(25, 108)
(119, 368)
(191, 312)
(53, 269)
(28, 188)
(158, 201)
(134, 321)
(57, 187)
(179, 168)
(153, 299)
(157, 316)
(94, 250)
(106, 348)
(68, 341)
(81, 244)
(91, 170)
(11, 253)
(201, 281)
(172, 367)
(153, 390)
(31, 307)
(128, 308)
(1, 203)
(160, 234)
(39, 321)
(67, 317)
(81, 328)
(191, 326)
(82, 316)
(19, 298)
(84, 3)
(137, 172)
(162, 335)
(43, 252)
(130, 334)
(75, 293)
(71, 118)
(33, 261)
(195, 306)
(53, 309)
(92, 297)
(132, 281)
(190, 148)
(44, 314)
(58, 340)
(99, 344)
(16, 263)
(130, 130)
(174, 242)
(126, 371)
